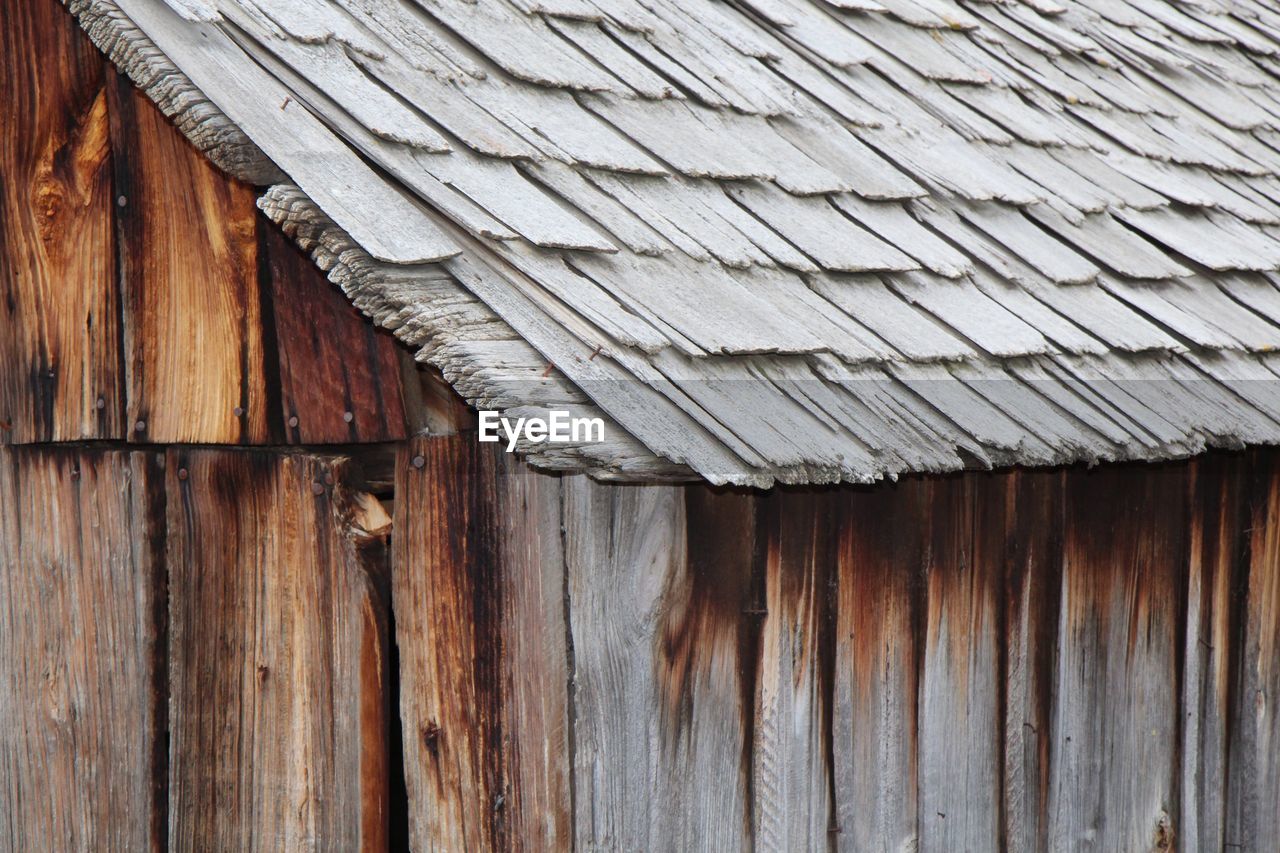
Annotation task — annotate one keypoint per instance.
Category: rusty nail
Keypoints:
(182, 473)
(317, 488)
(328, 478)
(418, 462)
(348, 417)
(140, 426)
(238, 411)
(293, 421)
(101, 404)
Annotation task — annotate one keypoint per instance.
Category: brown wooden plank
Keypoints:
(479, 592)
(188, 246)
(878, 620)
(1031, 503)
(791, 780)
(1253, 820)
(1217, 546)
(59, 306)
(340, 377)
(81, 639)
(960, 720)
(1116, 694)
(278, 643)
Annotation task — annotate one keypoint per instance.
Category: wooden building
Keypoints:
(933, 346)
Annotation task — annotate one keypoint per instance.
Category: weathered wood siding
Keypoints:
(278, 655)
(143, 297)
(59, 304)
(1025, 660)
(82, 693)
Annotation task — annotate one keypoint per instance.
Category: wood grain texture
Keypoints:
(340, 378)
(81, 650)
(707, 641)
(59, 304)
(960, 750)
(1031, 504)
(879, 613)
(1116, 692)
(278, 654)
(659, 579)
(193, 329)
(1218, 489)
(623, 547)
(791, 772)
(1253, 822)
(479, 597)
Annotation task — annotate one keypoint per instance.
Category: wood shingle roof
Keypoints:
(775, 240)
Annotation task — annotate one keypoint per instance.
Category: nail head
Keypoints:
(293, 421)
(238, 411)
(140, 426)
(418, 462)
(182, 473)
(317, 488)
(348, 417)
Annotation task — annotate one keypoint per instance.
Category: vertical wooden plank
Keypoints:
(193, 331)
(1216, 548)
(705, 703)
(881, 557)
(663, 661)
(81, 639)
(537, 808)
(340, 378)
(1253, 819)
(791, 781)
(277, 654)
(624, 550)
(1117, 696)
(478, 597)
(59, 306)
(1031, 502)
(960, 689)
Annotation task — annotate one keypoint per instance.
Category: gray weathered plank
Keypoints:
(662, 709)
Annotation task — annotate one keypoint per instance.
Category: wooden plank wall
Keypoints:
(143, 297)
(1025, 660)
(205, 643)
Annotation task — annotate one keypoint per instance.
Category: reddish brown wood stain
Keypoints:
(59, 333)
(195, 370)
(339, 376)
(277, 631)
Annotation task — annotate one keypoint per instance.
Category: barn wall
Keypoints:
(245, 647)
